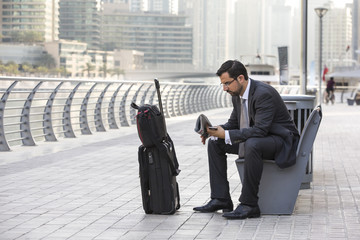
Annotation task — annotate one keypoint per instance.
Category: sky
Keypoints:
(337, 3)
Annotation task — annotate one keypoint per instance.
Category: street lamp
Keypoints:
(320, 12)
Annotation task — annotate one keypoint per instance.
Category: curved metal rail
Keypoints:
(46, 109)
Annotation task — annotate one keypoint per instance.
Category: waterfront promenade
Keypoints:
(88, 188)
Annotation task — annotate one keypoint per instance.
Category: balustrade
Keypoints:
(44, 109)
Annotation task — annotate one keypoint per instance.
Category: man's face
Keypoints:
(234, 86)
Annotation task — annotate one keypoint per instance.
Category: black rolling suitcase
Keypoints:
(157, 160)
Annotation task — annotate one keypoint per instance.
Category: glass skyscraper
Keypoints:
(164, 39)
(28, 15)
(80, 20)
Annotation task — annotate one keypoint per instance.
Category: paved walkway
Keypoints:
(88, 188)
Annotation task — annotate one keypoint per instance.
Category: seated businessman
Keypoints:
(260, 127)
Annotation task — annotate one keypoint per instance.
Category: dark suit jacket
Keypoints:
(268, 116)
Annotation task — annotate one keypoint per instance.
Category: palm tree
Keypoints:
(104, 70)
(41, 70)
(117, 72)
(61, 71)
(28, 68)
(89, 68)
(12, 68)
(2, 67)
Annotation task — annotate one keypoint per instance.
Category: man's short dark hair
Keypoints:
(234, 68)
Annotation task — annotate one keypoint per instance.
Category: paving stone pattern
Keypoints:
(88, 188)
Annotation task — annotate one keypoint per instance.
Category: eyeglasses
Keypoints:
(227, 84)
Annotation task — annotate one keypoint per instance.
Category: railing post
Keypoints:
(213, 96)
(217, 98)
(47, 123)
(175, 101)
(123, 119)
(223, 99)
(68, 130)
(132, 110)
(202, 98)
(167, 103)
(188, 102)
(205, 98)
(180, 100)
(194, 99)
(25, 129)
(198, 100)
(184, 99)
(143, 98)
(98, 117)
(152, 97)
(4, 146)
(84, 124)
(111, 110)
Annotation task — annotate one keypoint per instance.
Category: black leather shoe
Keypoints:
(214, 205)
(242, 212)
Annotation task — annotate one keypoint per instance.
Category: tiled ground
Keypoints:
(88, 188)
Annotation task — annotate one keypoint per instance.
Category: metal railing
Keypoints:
(38, 109)
(44, 109)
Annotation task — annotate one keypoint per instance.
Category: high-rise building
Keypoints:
(209, 21)
(336, 37)
(80, 20)
(263, 26)
(356, 32)
(161, 6)
(136, 5)
(164, 38)
(116, 1)
(29, 15)
(131, 5)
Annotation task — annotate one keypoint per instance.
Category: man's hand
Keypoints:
(220, 132)
(203, 139)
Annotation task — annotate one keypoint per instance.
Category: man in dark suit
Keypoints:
(270, 134)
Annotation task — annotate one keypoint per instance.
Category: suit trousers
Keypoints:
(256, 149)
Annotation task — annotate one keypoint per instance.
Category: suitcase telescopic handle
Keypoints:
(157, 85)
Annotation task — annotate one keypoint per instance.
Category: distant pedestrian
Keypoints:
(330, 90)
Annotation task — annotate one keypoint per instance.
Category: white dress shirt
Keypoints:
(246, 97)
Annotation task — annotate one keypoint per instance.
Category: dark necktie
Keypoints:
(243, 124)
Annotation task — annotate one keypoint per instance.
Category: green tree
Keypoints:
(2, 67)
(63, 71)
(117, 72)
(33, 37)
(28, 68)
(89, 68)
(27, 37)
(59, 72)
(12, 68)
(16, 36)
(104, 70)
(41, 70)
(47, 60)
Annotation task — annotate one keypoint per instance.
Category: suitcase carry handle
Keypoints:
(175, 171)
(134, 105)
